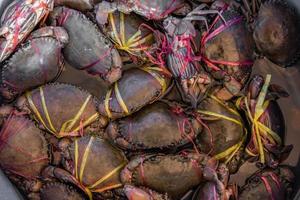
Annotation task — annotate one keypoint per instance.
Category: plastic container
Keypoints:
(288, 78)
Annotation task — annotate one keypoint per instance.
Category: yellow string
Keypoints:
(258, 128)
(120, 99)
(84, 158)
(113, 25)
(36, 112)
(45, 109)
(122, 29)
(231, 151)
(107, 176)
(161, 80)
(106, 103)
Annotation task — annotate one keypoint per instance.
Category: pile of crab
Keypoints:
(182, 112)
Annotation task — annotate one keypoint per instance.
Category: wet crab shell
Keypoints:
(37, 62)
(137, 88)
(88, 50)
(225, 133)
(57, 190)
(61, 109)
(276, 32)
(18, 156)
(156, 126)
(235, 45)
(126, 32)
(96, 164)
(171, 174)
(269, 184)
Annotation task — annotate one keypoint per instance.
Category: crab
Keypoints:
(50, 106)
(137, 88)
(224, 133)
(269, 184)
(21, 160)
(91, 163)
(143, 132)
(129, 32)
(87, 50)
(32, 65)
(275, 28)
(171, 174)
(18, 20)
(266, 121)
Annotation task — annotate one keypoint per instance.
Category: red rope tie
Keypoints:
(268, 187)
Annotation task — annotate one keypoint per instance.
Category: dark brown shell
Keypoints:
(102, 159)
(156, 126)
(88, 50)
(171, 174)
(137, 88)
(23, 148)
(276, 32)
(37, 62)
(234, 44)
(223, 133)
(280, 182)
(63, 103)
(59, 191)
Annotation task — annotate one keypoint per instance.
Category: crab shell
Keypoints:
(37, 62)
(82, 5)
(133, 39)
(171, 174)
(23, 161)
(61, 109)
(57, 190)
(269, 184)
(137, 88)
(98, 163)
(233, 44)
(156, 126)
(276, 32)
(18, 20)
(224, 133)
(88, 50)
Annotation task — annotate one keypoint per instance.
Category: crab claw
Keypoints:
(134, 193)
